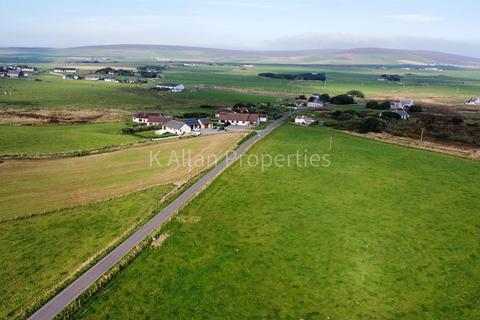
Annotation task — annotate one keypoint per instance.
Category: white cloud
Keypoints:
(414, 17)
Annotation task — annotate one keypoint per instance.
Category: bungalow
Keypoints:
(304, 120)
(157, 120)
(401, 105)
(142, 117)
(192, 123)
(70, 77)
(15, 74)
(176, 127)
(64, 70)
(239, 119)
(172, 87)
(26, 68)
(315, 104)
(110, 79)
(263, 117)
(205, 123)
(473, 101)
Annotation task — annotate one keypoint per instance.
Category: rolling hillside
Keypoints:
(165, 53)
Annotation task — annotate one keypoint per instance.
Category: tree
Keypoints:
(356, 93)
(372, 105)
(324, 97)
(342, 99)
(386, 105)
(415, 108)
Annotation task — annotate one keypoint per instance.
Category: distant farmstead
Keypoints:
(401, 105)
(15, 74)
(304, 120)
(71, 77)
(142, 117)
(64, 70)
(473, 101)
(239, 119)
(172, 87)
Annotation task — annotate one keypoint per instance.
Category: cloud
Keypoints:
(414, 17)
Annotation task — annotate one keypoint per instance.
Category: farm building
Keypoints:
(263, 117)
(401, 105)
(176, 127)
(304, 120)
(221, 110)
(64, 70)
(205, 123)
(15, 74)
(142, 117)
(473, 101)
(26, 68)
(239, 119)
(109, 79)
(403, 114)
(157, 120)
(172, 87)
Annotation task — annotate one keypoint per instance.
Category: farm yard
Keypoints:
(375, 235)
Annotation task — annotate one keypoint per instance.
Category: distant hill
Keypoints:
(132, 52)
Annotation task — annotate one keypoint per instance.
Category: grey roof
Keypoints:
(204, 120)
(175, 124)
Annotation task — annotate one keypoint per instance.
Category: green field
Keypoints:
(61, 138)
(44, 251)
(385, 232)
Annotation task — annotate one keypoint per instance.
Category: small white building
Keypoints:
(205, 123)
(172, 87)
(473, 101)
(401, 105)
(110, 79)
(239, 119)
(15, 74)
(315, 104)
(27, 68)
(304, 120)
(263, 117)
(176, 127)
(403, 114)
(142, 117)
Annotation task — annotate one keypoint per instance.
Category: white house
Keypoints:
(315, 104)
(70, 77)
(176, 127)
(401, 105)
(263, 117)
(109, 79)
(304, 120)
(142, 117)
(64, 70)
(403, 114)
(26, 68)
(172, 87)
(157, 120)
(473, 101)
(15, 74)
(239, 119)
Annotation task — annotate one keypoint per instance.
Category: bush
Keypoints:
(345, 116)
(356, 93)
(390, 115)
(324, 97)
(415, 108)
(372, 125)
(372, 105)
(342, 99)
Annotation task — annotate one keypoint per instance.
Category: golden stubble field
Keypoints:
(36, 186)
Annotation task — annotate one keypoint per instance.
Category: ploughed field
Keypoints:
(384, 232)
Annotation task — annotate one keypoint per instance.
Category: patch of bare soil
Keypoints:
(464, 151)
(60, 116)
(158, 241)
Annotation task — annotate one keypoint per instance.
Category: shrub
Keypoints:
(345, 116)
(415, 108)
(372, 105)
(390, 115)
(372, 125)
(324, 97)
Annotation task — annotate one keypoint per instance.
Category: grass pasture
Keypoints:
(61, 138)
(385, 232)
(74, 181)
(46, 250)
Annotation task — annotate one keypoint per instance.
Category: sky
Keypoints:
(442, 25)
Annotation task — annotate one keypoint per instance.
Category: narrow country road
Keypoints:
(76, 288)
